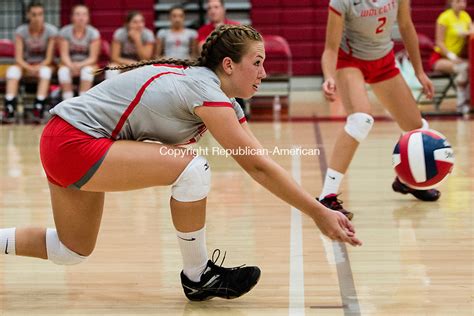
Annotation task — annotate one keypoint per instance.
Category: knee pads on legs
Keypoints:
(14, 72)
(87, 73)
(64, 75)
(59, 253)
(358, 125)
(194, 183)
(45, 73)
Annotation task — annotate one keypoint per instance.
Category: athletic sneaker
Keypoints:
(9, 111)
(331, 201)
(217, 281)
(424, 195)
(38, 109)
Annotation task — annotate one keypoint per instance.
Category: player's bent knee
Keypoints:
(45, 72)
(64, 75)
(87, 73)
(58, 252)
(13, 72)
(194, 183)
(358, 125)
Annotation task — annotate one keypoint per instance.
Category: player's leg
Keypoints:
(397, 98)
(65, 80)
(13, 76)
(77, 216)
(86, 79)
(45, 74)
(351, 88)
(461, 70)
(133, 165)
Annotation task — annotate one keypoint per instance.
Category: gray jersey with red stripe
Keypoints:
(153, 102)
(35, 47)
(368, 26)
(79, 47)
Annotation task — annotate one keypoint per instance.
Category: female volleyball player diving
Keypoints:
(94, 144)
(359, 50)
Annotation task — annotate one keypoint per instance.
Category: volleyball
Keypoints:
(422, 159)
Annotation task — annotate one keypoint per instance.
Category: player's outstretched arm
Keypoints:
(334, 29)
(224, 126)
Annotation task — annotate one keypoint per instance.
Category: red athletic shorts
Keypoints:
(69, 156)
(435, 56)
(373, 70)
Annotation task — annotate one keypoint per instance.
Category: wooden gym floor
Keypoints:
(417, 258)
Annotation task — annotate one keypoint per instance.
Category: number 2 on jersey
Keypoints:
(382, 22)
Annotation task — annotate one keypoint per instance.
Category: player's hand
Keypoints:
(329, 89)
(135, 35)
(337, 227)
(428, 88)
(33, 70)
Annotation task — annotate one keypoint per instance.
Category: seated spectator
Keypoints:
(453, 28)
(177, 41)
(34, 48)
(216, 16)
(79, 45)
(131, 43)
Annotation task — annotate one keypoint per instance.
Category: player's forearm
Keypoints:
(410, 40)
(328, 63)
(275, 179)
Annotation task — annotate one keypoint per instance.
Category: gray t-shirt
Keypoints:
(177, 44)
(79, 47)
(35, 47)
(128, 49)
(153, 102)
(368, 26)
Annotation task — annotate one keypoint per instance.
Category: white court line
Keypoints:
(296, 304)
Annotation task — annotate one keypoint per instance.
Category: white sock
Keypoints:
(40, 97)
(332, 181)
(194, 253)
(9, 97)
(68, 95)
(7, 241)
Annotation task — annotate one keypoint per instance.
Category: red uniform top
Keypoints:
(205, 30)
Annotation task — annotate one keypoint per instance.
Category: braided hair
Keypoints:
(225, 41)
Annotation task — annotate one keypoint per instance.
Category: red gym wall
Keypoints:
(108, 15)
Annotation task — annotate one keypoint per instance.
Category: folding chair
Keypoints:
(441, 92)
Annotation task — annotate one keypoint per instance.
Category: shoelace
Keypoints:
(218, 251)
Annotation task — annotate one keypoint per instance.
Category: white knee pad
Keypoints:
(58, 253)
(87, 73)
(64, 75)
(14, 72)
(194, 183)
(425, 124)
(358, 125)
(45, 72)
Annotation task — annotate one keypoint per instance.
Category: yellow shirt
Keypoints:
(453, 25)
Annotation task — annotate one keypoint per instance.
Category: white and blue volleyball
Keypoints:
(423, 158)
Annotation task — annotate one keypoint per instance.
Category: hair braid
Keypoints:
(227, 41)
(166, 61)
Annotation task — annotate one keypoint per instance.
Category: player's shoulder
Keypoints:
(50, 28)
(23, 28)
(91, 29)
(66, 29)
(464, 15)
